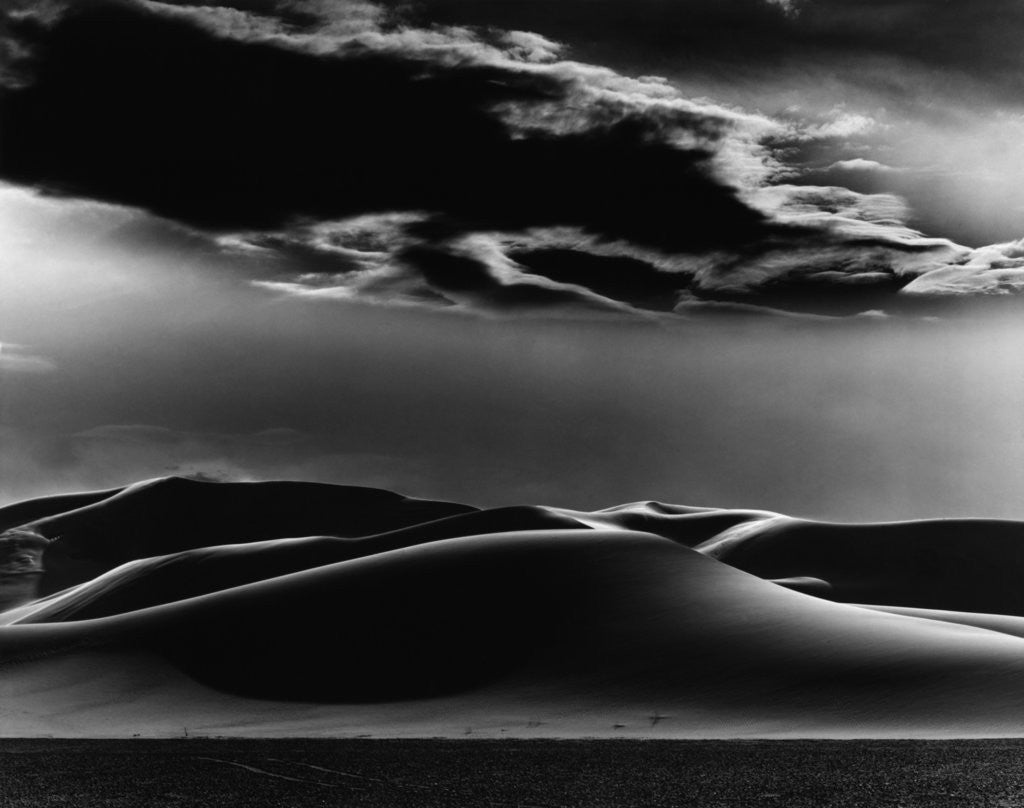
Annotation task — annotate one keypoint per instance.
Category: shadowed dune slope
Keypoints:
(152, 581)
(82, 536)
(172, 514)
(21, 513)
(971, 565)
(162, 579)
(597, 619)
(953, 565)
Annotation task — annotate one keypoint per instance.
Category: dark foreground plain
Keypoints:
(41, 772)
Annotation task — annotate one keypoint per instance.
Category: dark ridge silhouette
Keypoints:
(172, 514)
(177, 513)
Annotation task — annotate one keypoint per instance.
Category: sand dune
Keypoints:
(1003, 623)
(162, 579)
(152, 581)
(525, 620)
(972, 565)
(21, 513)
(171, 514)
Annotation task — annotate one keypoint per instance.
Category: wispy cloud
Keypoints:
(17, 359)
(859, 164)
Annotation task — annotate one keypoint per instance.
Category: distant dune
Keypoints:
(286, 608)
(960, 564)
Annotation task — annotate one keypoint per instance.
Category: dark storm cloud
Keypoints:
(933, 88)
(141, 105)
(743, 37)
(345, 153)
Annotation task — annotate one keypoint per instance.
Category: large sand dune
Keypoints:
(207, 606)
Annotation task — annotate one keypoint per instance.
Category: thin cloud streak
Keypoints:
(16, 359)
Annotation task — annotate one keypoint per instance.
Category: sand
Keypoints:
(646, 620)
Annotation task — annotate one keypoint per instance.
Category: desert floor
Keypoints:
(219, 772)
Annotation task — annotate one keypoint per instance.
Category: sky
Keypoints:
(741, 254)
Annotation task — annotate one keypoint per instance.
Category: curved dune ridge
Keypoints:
(305, 609)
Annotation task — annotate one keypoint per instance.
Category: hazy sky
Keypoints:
(576, 254)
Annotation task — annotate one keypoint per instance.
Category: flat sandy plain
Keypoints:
(40, 773)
